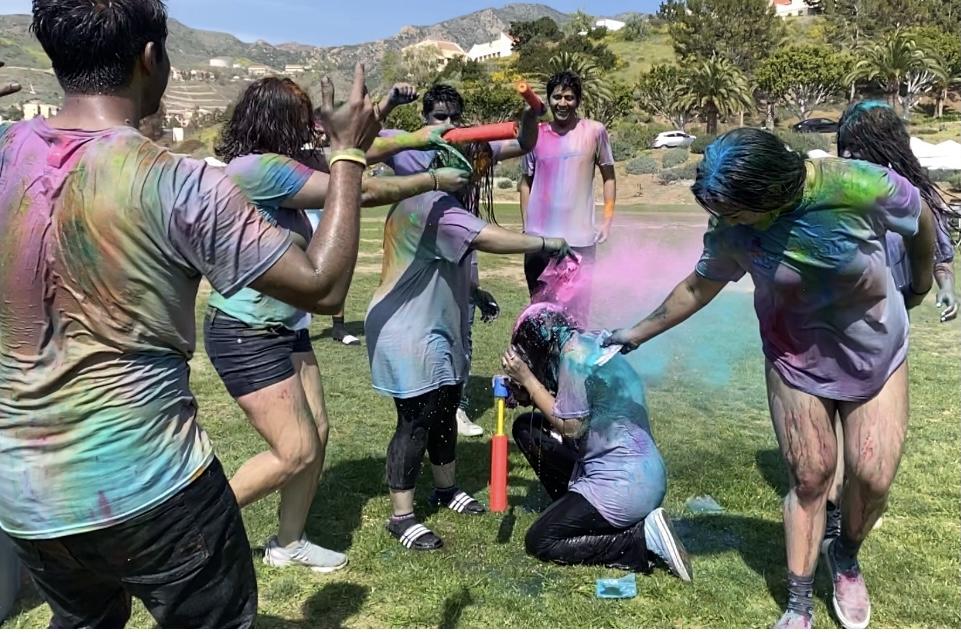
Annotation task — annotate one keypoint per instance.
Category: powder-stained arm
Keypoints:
(386, 146)
(379, 190)
(688, 297)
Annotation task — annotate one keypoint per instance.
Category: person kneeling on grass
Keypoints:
(592, 449)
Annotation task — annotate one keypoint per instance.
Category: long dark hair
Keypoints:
(872, 131)
(749, 170)
(478, 196)
(273, 115)
(539, 337)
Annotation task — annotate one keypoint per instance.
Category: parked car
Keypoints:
(675, 138)
(824, 126)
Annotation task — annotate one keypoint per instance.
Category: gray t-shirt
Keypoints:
(417, 322)
(620, 470)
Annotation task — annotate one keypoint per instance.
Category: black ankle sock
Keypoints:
(800, 594)
(338, 321)
(445, 495)
(846, 552)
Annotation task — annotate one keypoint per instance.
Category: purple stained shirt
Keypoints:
(562, 192)
(619, 469)
(417, 322)
(833, 323)
(105, 237)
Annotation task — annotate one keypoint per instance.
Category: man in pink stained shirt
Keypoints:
(557, 191)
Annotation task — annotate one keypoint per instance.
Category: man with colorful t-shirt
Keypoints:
(557, 190)
(110, 489)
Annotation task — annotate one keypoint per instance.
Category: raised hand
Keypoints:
(353, 125)
(402, 94)
(451, 179)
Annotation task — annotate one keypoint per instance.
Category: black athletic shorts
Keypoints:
(251, 358)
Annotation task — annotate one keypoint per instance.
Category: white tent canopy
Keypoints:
(940, 156)
(932, 156)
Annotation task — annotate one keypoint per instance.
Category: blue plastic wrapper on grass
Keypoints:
(703, 505)
(623, 588)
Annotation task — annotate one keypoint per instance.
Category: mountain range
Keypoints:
(193, 48)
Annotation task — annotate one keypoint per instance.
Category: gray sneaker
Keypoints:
(664, 542)
(303, 553)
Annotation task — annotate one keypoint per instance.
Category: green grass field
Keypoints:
(716, 440)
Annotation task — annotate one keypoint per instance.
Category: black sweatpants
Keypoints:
(424, 423)
(571, 530)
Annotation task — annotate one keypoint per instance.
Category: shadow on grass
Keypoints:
(760, 543)
(771, 465)
(454, 607)
(329, 608)
(349, 485)
(480, 397)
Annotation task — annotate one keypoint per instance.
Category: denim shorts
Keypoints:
(249, 358)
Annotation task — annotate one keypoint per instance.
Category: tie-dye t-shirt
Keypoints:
(619, 470)
(417, 322)
(105, 237)
(268, 180)
(832, 321)
(562, 192)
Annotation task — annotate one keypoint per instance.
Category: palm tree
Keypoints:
(715, 87)
(597, 92)
(899, 59)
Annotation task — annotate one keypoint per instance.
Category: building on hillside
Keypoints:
(221, 62)
(176, 74)
(446, 50)
(295, 69)
(260, 70)
(791, 8)
(503, 46)
(32, 110)
(609, 24)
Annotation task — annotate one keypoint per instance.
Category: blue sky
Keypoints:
(318, 22)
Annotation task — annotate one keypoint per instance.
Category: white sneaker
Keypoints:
(664, 542)
(466, 427)
(303, 553)
(350, 340)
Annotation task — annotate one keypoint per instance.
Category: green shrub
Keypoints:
(509, 169)
(954, 182)
(700, 143)
(685, 172)
(505, 183)
(674, 157)
(804, 143)
(630, 139)
(641, 165)
(942, 176)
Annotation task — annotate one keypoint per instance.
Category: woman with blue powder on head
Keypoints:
(834, 329)
(592, 449)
